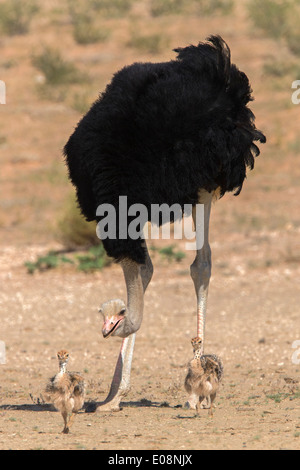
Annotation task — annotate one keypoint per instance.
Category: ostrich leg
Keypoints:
(200, 273)
(137, 278)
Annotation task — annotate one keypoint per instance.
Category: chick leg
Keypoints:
(65, 418)
(71, 420)
(212, 399)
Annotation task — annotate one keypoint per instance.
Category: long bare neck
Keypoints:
(135, 292)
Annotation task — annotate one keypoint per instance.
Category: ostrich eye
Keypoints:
(122, 311)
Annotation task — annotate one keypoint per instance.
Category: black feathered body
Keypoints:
(161, 132)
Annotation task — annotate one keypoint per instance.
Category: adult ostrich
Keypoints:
(177, 132)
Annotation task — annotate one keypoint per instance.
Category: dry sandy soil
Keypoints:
(253, 312)
(253, 320)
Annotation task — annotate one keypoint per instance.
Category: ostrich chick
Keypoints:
(66, 390)
(203, 377)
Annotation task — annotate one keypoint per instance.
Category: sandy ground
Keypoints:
(252, 323)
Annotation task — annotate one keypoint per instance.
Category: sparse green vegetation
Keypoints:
(81, 101)
(292, 33)
(2, 139)
(56, 69)
(86, 28)
(93, 259)
(278, 19)
(152, 43)
(210, 7)
(86, 33)
(269, 16)
(112, 8)
(75, 233)
(44, 263)
(72, 229)
(280, 396)
(170, 253)
(199, 7)
(278, 68)
(16, 16)
(166, 7)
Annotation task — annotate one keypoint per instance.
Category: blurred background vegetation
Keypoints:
(57, 56)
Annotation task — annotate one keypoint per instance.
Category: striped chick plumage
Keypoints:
(66, 390)
(203, 378)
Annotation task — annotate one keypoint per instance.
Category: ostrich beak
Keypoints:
(111, 324)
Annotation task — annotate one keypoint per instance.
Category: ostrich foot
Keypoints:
(111, 403)
(107, 405)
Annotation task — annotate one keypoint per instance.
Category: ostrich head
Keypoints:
(113, 313)
(197, 344)
(63, 357)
